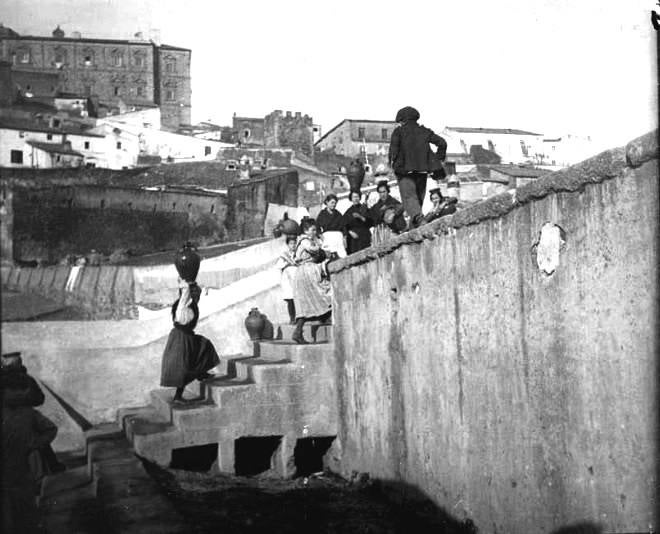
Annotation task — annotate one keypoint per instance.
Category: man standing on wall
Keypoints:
(412, 159)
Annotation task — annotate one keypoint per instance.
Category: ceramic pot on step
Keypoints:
(254, 324)
(187, 263)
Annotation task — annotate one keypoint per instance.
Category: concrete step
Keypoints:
(278, 350)
(267, 371)
(313, 331)
(65, 481)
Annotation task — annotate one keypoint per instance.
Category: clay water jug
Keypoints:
(254, 324)
(187, 263)
(355, 174)
(289, 226)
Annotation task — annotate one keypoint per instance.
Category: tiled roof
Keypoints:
(490, 130)
(55, 148)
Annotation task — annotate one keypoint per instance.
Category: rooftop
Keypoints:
(55, 148)
(510, 131)
(24, 125)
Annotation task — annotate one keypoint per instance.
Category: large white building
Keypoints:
(511, 145)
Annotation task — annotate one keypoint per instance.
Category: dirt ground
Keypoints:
(319, 504)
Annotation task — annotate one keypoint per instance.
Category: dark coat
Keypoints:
(376, 211)
(19, 388)
(330, 222)
(360, 227)
(410, 150)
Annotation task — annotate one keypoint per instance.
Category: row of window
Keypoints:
(384, 134)
(24, 56)
(140, 91)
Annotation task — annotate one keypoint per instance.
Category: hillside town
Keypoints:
(70, 104)
(276, 324)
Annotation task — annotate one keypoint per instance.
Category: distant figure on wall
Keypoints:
(357, 223)
(441, 205)
(187, 356)
(412, 160)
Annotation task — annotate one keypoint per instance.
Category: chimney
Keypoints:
(76, 35)
(154, 35)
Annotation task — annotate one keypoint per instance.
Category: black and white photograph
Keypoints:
(329, 267)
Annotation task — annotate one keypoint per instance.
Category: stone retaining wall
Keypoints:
(503, 360)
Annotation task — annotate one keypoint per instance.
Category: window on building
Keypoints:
(207, 150)
(140, 91)
(384, 134)
(56, 123)
(360, 133)
(21, 134)
(116, 91)
(59, 57)
(28, 88)
(16, 156)
(118, 145)
(58, 158)
(88, 90)
(24, 56)
(169, 67)
(139, 61)
(117, 60)
(49, 137)
(87, 61)
(86, 145)
(169, 95)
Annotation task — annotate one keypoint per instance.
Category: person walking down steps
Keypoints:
(412, 159)
(187, 356)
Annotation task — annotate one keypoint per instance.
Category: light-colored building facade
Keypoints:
(566, 150)
(134, 73)
(355, 137)
(511, 145)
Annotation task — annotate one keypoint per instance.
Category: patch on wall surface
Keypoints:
(546, 250)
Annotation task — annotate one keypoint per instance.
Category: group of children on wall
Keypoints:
(303, 262)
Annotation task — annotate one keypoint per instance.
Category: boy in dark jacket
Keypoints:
(412, 159)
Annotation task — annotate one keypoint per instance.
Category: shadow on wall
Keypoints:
(418, 513)
(580, 528)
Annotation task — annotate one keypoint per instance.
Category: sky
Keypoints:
(549, 66)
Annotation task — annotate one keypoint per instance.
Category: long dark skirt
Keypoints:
(186, 357)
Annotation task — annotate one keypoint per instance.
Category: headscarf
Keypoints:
(407, 114)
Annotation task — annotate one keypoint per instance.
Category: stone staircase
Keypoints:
(282, 389)
(105, 489)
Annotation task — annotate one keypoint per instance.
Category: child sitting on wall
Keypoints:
(287, 264)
